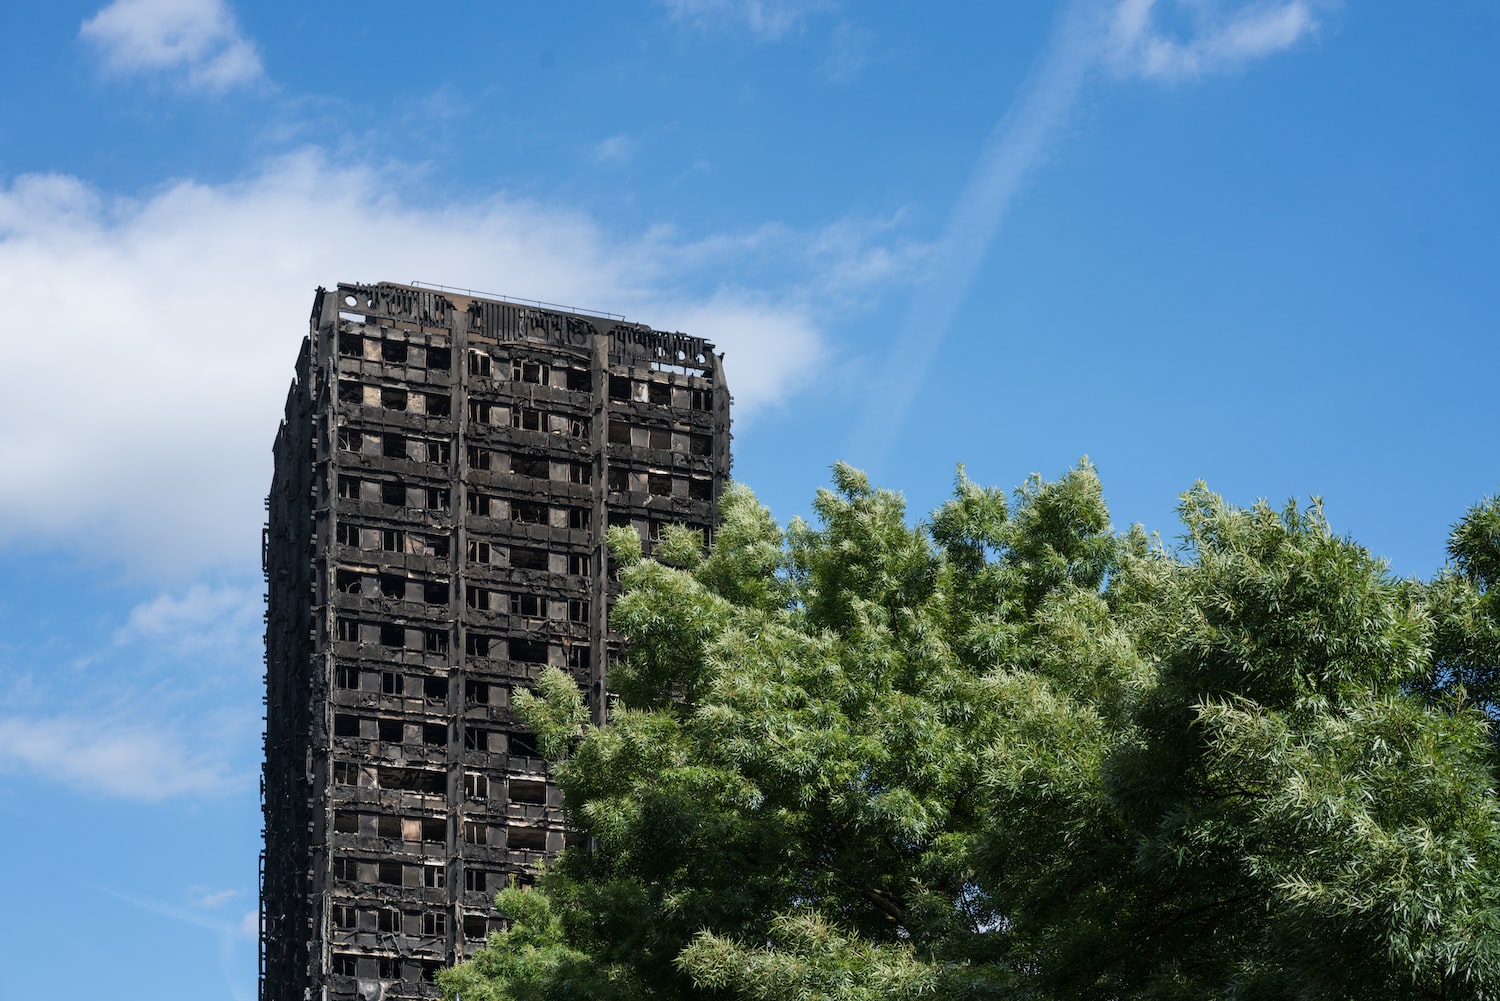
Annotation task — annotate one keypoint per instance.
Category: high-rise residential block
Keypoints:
(444, 476)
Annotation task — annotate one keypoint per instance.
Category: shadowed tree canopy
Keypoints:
(1012, 753)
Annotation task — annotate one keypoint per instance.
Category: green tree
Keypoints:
(1013, 753)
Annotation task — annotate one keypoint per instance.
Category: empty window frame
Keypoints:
(526, 839)
(438, 498)
(619, 433)
(393, 492)
(700, 444)
(476, 832)
(435, 923)
(349, 487)
(700, 488)
(476, 693)
(480, 505)
(440, 359)
(536, 467)
(659, 483)
(535, 372)
(351, 440)
(659, 438)
(528, 512)
(528, 419)
(477, 645)
(659, 393)
(580, 472)
(351, 345)
(481, 412)
(481, 458)
(527, 558)
(480, 598)
(350, 391)
(579, 380)
(437, 404)
(393, 352)
(392, 399)
(392, 683)
(393, 446)
(578, 610)
(435, 641)
(578, 564)
(619, 478)
(479, 363)
(530, 605)
(619, 388)
(476, 786)
(528, 791)
(528, 651)
(479, 552)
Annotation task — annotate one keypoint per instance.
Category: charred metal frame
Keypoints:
(444, 476)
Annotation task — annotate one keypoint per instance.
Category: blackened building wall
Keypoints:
(444, 475)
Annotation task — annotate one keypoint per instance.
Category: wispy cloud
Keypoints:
(848, 52)
(231, 934)
(766, 20)
(183, 311)
(1217, 39)
(209, 899)
(201, 618)
(199, 38)
(1089, 35)
(110, 758)
(615, 149)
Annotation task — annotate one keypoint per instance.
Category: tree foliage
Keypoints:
(1014, 753)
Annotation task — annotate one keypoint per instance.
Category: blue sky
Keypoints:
(1246, 242)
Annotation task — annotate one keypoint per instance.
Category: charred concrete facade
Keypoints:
(444, 476)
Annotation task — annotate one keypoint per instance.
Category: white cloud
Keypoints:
(153, 339)
(111, 759)
(615, 149)
(202, 618)
(1217, 39)
(250, 924)
(766, 20)
(211, 899)
(1124, 35)
(849, 51)
(197, 37)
